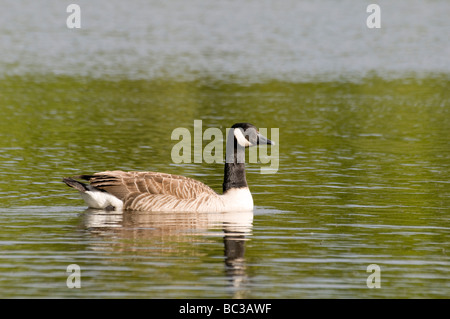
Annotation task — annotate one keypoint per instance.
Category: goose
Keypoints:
(161, 192)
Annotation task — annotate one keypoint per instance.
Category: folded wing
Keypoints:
(150, 190)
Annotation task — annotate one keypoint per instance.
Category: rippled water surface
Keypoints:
(364, 148)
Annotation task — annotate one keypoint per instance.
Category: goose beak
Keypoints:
(262, 140)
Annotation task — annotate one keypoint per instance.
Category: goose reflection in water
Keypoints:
(139, 229)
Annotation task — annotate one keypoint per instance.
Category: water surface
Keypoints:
(363, 178)
(249, 40)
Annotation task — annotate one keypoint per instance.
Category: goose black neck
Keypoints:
(234, 174)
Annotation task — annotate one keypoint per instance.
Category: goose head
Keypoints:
(247, 135)
(240, 137)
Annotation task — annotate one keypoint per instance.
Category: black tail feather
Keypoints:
(85, 177)
(76, 184)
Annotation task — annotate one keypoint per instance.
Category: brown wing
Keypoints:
(122, 184)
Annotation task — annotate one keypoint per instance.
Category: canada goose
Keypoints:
(151, 191)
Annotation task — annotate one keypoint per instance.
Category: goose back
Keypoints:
(153, 191)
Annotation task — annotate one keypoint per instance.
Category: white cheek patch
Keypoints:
(241, 138)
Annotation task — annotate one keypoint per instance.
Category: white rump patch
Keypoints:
(101, 200)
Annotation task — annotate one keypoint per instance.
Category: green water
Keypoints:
(363, 178)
